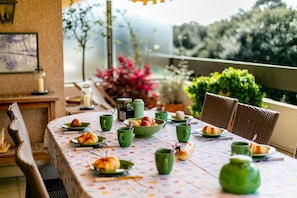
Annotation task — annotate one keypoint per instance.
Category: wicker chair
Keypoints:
(218, 110)
(19, 134)
(35, 186)
(250, 120)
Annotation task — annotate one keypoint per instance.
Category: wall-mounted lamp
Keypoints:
(7, 8)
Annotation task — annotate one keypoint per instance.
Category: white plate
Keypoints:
(271, 151)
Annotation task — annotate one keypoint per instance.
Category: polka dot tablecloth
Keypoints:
(195, 177)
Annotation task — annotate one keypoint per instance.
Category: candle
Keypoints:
(40, 85)
(87, 101)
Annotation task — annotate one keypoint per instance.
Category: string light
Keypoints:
(145, 1)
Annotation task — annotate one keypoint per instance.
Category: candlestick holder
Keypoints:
(38, 83)
(86, 98)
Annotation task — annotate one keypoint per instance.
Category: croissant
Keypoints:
(258, 148)
(211, 130)
(108, 163)
(88, 138)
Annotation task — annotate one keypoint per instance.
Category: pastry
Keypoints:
(75, 123)
(258, 148)
(88, 138)
(211, 130)
(108, 164)
(185, 150)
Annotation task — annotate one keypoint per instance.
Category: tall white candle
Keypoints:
(87, 101)
(40, 85)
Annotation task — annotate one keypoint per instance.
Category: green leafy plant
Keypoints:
(231, 82)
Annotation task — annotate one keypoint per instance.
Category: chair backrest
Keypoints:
(18, 127)
(250, 120)
(218, 110)
(99, 95)
(24, 159)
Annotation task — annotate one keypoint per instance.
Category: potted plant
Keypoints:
(172, 87)
(231, 82)
(127, 81)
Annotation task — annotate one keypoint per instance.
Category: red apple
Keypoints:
(145, 123)
(147, 118)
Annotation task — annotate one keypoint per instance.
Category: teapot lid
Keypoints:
(241, 159)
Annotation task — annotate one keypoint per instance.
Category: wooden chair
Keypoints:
(35, 186)
(99, 95)
(250, 120)
(19, 134)
(218, 110)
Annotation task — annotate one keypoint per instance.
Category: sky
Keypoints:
(180, 11)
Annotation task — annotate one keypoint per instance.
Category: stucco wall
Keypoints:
(44, 17)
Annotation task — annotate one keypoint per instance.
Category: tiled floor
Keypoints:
(13, 187)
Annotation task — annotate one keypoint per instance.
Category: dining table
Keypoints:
(198, 176)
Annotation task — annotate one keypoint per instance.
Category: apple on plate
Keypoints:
(108, 163)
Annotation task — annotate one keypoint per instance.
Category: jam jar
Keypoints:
(125, 108)
(240, 175)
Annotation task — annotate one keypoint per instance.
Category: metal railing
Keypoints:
(271, 76)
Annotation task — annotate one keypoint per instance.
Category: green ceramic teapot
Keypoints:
(240, 175)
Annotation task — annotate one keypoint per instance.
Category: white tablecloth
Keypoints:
(196, 177)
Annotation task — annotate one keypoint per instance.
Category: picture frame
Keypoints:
(18, 52)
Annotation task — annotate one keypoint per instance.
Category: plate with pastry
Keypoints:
(211, 131)
(111, 165)
(261, 150)
(89, 139)
(76, 124)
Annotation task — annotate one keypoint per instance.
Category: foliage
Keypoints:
(171, 88)
(126, 80)
(138, 42)
(231, 82)
(79, 23)
(265, 34)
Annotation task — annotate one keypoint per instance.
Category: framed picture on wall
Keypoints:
(18, 52)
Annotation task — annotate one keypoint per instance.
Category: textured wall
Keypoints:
(44, 17)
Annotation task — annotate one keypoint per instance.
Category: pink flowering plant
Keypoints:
(126, 80)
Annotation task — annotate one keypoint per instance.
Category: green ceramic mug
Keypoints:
(125, 136)
(183, 132)
(106, 122)
(164, 159)
(241, 148)
(163, 115)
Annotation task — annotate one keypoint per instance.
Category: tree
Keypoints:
(79, 23)
(265, 34)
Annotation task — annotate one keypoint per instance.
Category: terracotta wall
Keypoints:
(44, 17)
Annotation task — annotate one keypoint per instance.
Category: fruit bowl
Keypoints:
(145, 131)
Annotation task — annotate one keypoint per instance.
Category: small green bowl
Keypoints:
(145, 131)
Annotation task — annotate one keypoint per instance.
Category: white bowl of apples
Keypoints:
(146, 126)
